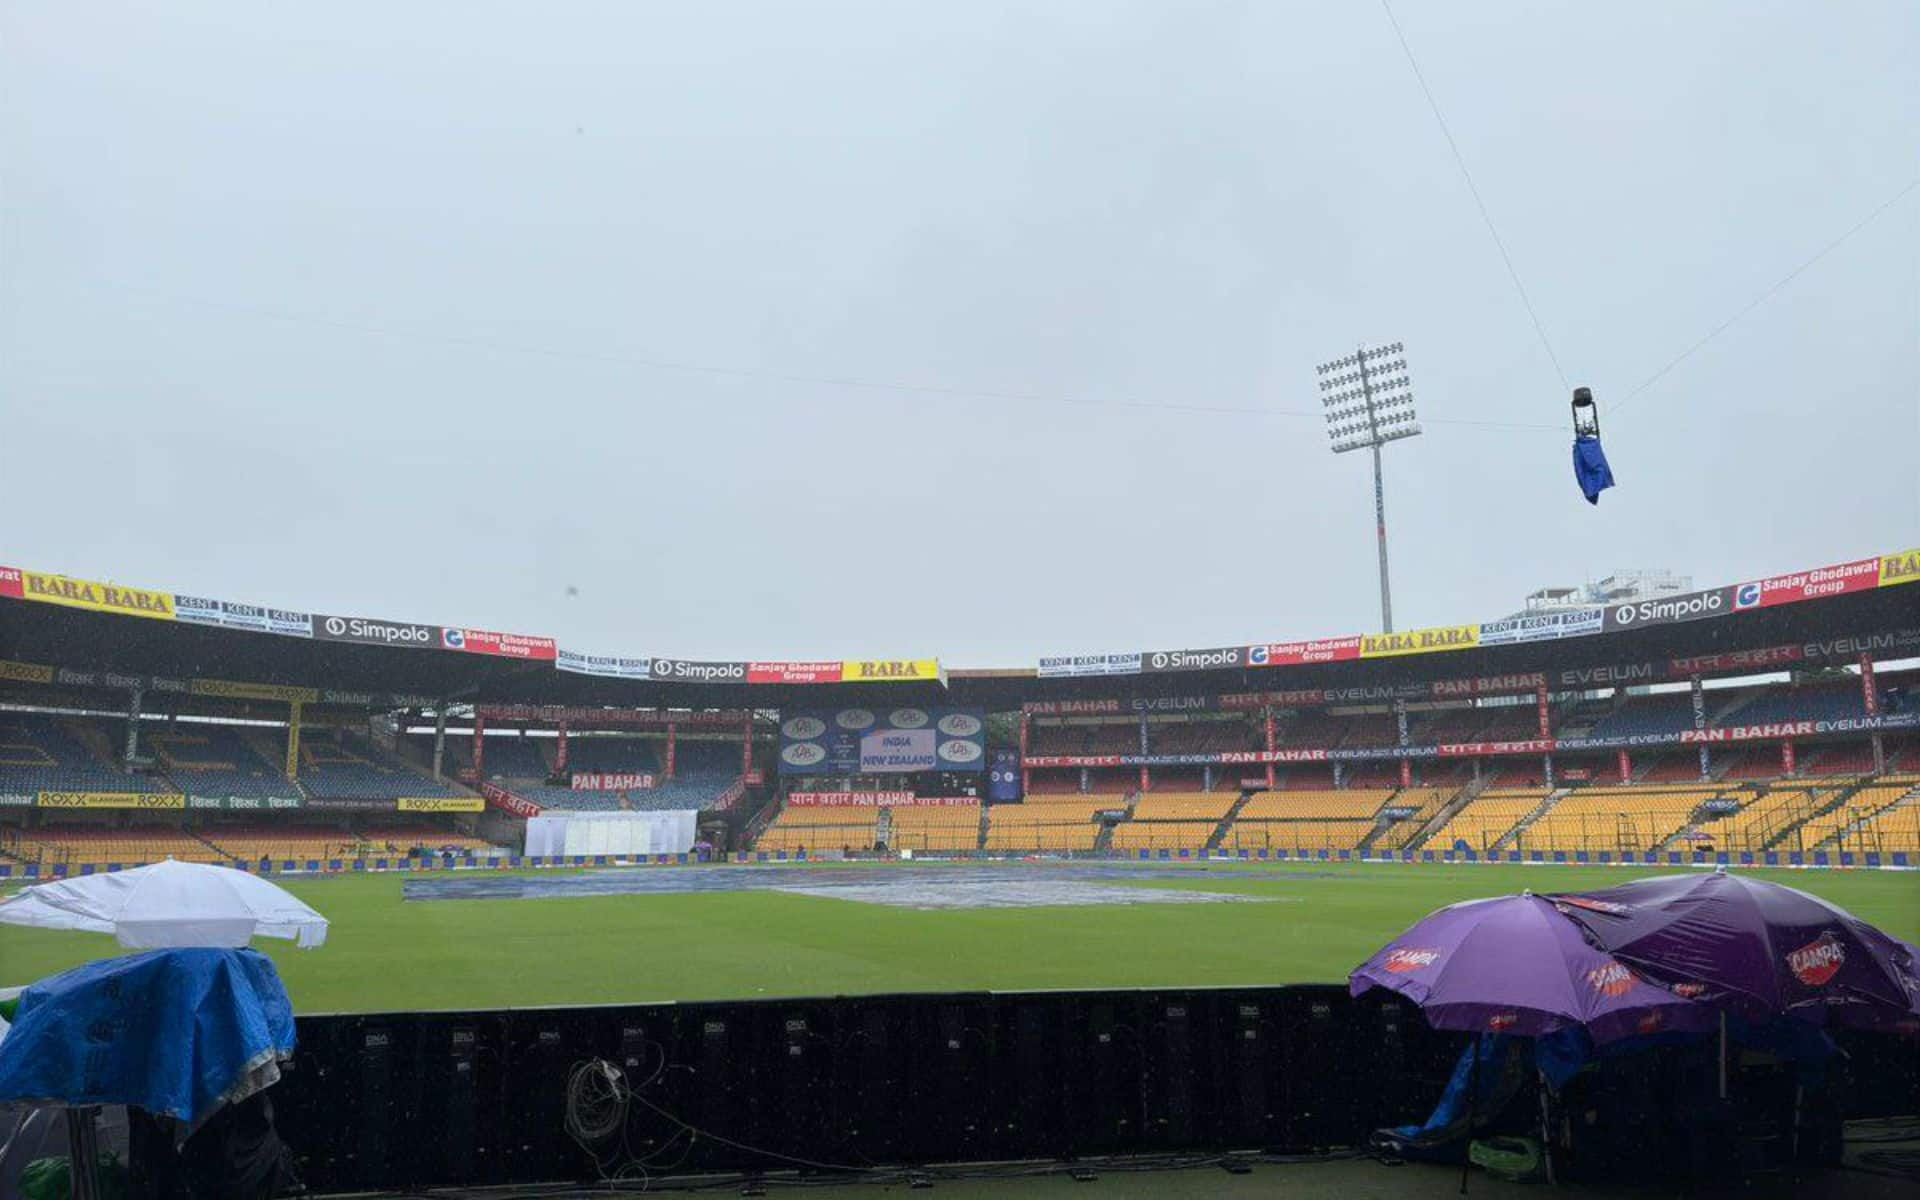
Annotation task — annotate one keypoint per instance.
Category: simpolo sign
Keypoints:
(1668, 610)
(369, 632)
(1217, 658)
(699, 672)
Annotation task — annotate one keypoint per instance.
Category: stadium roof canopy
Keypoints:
(80, 633)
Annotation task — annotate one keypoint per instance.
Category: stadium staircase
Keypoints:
(1103, 841)
(758, 824)
(980, 842)
(1438, 821)
(883, 827)
(1220, 831)
(98, 744)
(1507, 840)
(272, 749)
(1846, 835)
(414, 761)
(1796, 815)
(210, 844)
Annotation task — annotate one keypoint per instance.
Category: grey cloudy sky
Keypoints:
(392, 308)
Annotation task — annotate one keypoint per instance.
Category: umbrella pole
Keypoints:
(83, 1153)
(1473, 1091)
(1723, 1055)
(1546, 1128)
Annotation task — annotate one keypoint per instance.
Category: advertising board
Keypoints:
(883, 740)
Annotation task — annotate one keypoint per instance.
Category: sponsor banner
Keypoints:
(1172, 704)
(1542, 626)
(432, 804)
(602, 665)
(1609, 675)
(1487, 685)
(795, 672)
(882, 740)
(1668, 610)
(1397, 812)
(611, 781)
(877, 800)
(342, 804)
(1903, 567)
(369, 632)
(1323, 697)
(1061, 666)
(1764, 659)
(1776, 731)
(111, 800)
(1138, 704)
(1073, 708)
(1003, 777)
(253, 691)
(1216, 659)
(199, 610)
(12, 585)
(1073, 760)
(1383, 754)
(612, 718)
(1295, 755)
(507, 802)
(244, 803)
(1420, 641)
(499, 645)
(896, 750)
(21, 672)
(1287, 654)
(1475, 749)
(850, 799)
(1857, 576)
(15, 799)
(690, 671)
(890, 670)
(95, 596)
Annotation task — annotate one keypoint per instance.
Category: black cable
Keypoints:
(1461, 162)
(837, 381)
(1763, 297)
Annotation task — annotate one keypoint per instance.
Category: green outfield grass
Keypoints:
(385, 954)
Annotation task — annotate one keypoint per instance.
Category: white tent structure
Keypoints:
(169, 904)
(614, 834)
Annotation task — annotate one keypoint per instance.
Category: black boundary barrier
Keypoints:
(399, 1100)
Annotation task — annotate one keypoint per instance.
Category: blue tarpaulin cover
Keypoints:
(176, 1032)
(1590, 468)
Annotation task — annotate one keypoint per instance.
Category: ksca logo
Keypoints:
(1817, 962)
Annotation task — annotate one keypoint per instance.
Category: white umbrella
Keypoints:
(169, 904)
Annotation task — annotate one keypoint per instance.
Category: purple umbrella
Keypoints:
(1514, 965)
(1759, 948)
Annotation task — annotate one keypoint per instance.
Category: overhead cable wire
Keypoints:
(1466, 174)
(838, 381)
(1767, 295)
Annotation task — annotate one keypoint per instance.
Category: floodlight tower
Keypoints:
(1369, 402)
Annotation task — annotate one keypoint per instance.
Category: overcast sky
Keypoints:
(432, 311)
